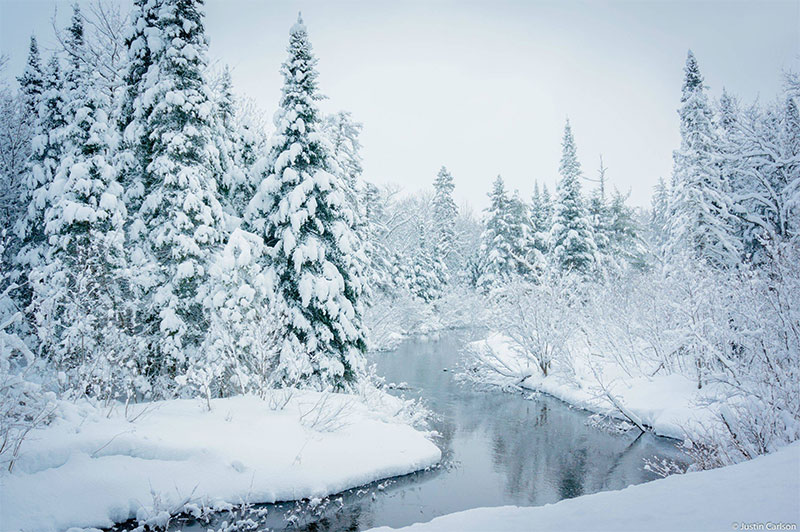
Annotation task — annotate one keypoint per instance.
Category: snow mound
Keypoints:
(87, 469)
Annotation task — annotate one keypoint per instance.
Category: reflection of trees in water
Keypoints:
(547, 453)
(541, 450)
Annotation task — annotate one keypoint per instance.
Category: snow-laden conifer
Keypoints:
(46, 151)
(571, 237)
(445, 213)
(505, 242)
(31, 82)
(315, 259)
(177, 225)
(701, 222)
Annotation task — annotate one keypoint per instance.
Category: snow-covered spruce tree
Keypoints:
(31, 82)
(343, 133)
(445, 213)
(75, 71)
(625, 243)
(571, 238)
(539, 220)
(177, 225)
(700, 220)
(382, 268)
(548, 209)
(18, 115)
(46, 151)
(135, 148)
(426, 272)
(528, 263)
(502, 243)
(599, 216)
(315, 259)
(657, 223)
(236, 189)
(81, 313)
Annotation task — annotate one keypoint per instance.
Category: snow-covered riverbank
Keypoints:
(87, 469)
(761, 491)
(668, 404)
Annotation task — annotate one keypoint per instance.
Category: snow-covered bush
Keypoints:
(761, 373)
(540, 318)
(23, 402)
(241, 350)
(735, 332)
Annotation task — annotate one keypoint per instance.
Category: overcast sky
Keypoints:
(484, 87)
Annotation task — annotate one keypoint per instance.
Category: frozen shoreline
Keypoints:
(665, 404)
(89, 470)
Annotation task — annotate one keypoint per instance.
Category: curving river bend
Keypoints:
(498, 449)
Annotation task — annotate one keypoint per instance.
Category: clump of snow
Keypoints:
(91, 469)
(761, 491)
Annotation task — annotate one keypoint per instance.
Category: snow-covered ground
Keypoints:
(668, 404)
(760, 492)
(90, 469)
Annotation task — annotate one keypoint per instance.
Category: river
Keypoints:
(498, 449)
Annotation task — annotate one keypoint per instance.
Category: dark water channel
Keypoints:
(498, 449)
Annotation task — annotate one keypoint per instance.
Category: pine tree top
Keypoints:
(33, 67)
(569, 168)
(444, 181)
(693, 81)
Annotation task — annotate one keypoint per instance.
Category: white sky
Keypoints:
(484, 87)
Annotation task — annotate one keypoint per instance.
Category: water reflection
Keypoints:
(498, 449)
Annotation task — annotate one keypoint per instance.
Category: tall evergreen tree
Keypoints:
(659, 212)
(316, 262)
(31, 82)
(426, 272)
(236, 188)
(527, 261)
(75, 44)
(571, 238)
(701, 221)
(136, 147)
(548, 209)
(501, 252)
(343, 133)
(540, 221)
(77, 293)
(178, 223)
(445, 213)
(46, 151)
(599, 214)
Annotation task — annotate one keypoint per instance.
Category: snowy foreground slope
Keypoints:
(763, 490)
(87, 470)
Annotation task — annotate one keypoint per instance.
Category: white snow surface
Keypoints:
(89, 470)
(761, 491)
(668, 404)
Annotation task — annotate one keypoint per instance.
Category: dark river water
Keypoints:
(498, 449)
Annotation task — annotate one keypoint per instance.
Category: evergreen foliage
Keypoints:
(315, 258)
(571, 236)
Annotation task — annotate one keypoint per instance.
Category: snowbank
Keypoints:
(666, 403)
(761, 491)
(89, 470)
